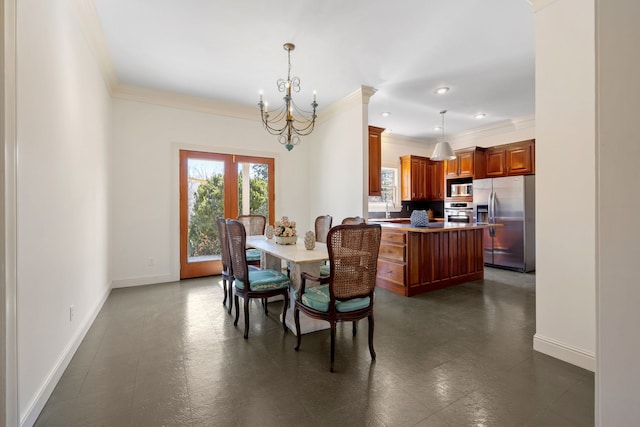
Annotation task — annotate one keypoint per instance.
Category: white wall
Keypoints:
(394, 146)
(618, 346)
(565, 154)
(337, 162)
(145, 179)
(63, 129)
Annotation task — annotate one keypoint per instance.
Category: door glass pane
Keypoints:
(253, 185)
(205, 181)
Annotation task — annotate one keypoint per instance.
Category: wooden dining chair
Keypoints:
(353, 220)
(347, 294)
(323, 225)
(225, 258)
(254, 225)
(249, 283)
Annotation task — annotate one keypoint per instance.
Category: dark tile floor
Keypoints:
(169, 354)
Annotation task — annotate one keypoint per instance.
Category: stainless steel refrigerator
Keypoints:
(509, 201)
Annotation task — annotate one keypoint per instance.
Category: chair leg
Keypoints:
(355, 327)
(285, 306)
(296, 318)
(230, 296)
(224, 289)
(235, 323)
(371, 350)
(246, 318)
(264, 305)
(333, 344)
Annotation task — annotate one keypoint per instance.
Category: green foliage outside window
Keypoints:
(208, 204)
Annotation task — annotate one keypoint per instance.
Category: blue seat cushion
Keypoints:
(253, 255)
(325, 270)
(265, 280)
(317, 297)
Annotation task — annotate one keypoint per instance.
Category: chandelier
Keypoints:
(288, 122)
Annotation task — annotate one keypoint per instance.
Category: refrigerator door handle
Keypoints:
(492, 212)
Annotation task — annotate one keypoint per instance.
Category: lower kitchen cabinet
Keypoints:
(411, 263)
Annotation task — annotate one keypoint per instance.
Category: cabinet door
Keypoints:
(406, 189)
(418, 178)
(451, 168)
(520, 159)
(439, 180)
(435, 180)
(375, 160)
(496, 162)
(465, 164)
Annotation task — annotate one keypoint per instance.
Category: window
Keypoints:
(389, 198)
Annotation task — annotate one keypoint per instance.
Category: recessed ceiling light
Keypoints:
(480, 116)
(437, 128)
(442, 90)
(385, 114)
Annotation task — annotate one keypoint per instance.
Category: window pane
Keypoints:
(205, 182)
(253, 185)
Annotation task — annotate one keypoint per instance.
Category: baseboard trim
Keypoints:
(567, 353)
(143, 280)
(58, 369)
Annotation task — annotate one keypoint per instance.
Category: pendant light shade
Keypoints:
(443, 150)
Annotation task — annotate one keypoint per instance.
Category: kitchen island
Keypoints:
(414, 260)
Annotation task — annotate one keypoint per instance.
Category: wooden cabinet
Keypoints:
(511, 159)
(521, 158)
(375, 160)
(496, 162)
(421, 179)
(411, 263)
(435, 180)
(469, 163)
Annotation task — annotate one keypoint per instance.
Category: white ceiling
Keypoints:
(228, 50)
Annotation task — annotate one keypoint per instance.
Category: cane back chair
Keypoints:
(347, 295)
(250, 283)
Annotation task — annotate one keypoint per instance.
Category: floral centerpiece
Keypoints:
(285, 231)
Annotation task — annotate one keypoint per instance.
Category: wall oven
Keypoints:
(458, 212)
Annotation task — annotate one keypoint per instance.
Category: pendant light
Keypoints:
(443, 150)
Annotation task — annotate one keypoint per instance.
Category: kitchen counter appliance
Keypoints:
(509, 201)
(458, 212)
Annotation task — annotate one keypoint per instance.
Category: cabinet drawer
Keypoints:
(393, 252)
(391, 271)
(398, 237)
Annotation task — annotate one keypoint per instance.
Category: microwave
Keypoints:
(459, 190)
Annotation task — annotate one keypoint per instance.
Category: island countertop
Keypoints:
(435, 227)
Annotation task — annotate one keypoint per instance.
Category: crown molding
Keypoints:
(359, 96)
(504, 126)
(367, 93)
(90, 23)
(185, 102)
(397, 139)
(538, 5)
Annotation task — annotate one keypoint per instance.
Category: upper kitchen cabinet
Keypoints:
(421, 179)
(375, 160)
(521, 158)
(469, 163)
(511, 159)
(435, 180)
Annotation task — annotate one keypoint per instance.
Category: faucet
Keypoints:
(387, 214)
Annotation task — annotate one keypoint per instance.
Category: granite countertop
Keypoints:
(435, 227)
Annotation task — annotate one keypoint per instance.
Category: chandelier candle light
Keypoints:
(443, 150)
(287, 132)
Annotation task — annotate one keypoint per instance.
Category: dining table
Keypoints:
(300, 259)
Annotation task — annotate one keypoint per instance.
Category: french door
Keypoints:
(216, 185)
